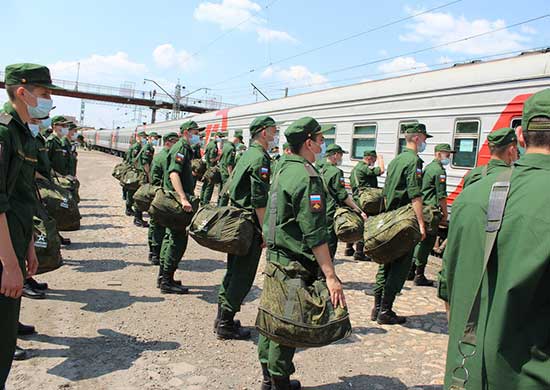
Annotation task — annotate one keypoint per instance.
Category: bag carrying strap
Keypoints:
(495, 212)
(273, 210)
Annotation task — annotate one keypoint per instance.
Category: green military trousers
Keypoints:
(155, 237)
(223, 199)
(129, 199)
(277, 357)
(206, 192)
(239, 277)
(173, 248)
(423, 250)
(391, 278)
(9, 317)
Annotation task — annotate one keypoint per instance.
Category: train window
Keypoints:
(515, 123)
(466, 138)
(364, 138)
(402, 142)
(330, 135)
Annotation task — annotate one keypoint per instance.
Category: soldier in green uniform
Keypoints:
(28, 87)
(240, 150)
(227, 164)
(57, 152)
(403, 186)
(364, 175)
(248, 189)
(299, 235)
(434, 193)
(504, 151)
(139, 158)
(70, 147)
(211, 157)
(509, 335)
(158, 167)
(335, 182)
(178, 178)
(286, 152)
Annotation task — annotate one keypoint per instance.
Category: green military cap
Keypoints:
(142, 134)
(170, 136)
(444, 148)
(302, 129)
(190, 125)
(537, 105)
(333, 149)
(238, 133)
(369, 153)
(240, 137)
(29, 74)
(153, 134)
(261, 123)
(72, 126)
(286, 145)
(220, 134)
(325, 128)
(60, 120)
(417, 128)
(502, 137)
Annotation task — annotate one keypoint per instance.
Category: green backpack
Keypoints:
(212, 175)
(133, 178)
(348, 225)
(198, 167)
(371, 201)
(296, 314)
(60, 205)
(225, 229)
(119, 170)
(47, 243)
(71, 185)
(166, 210)
(144, 196)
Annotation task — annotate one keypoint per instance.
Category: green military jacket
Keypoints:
(335, 182)
(196, 151)
(227, 158)
(513, 337)
(301, 215)
(71, 152)
(404, 180)
(18, 161)
(58, 154)
(249, 185)
(210, 153)
(363, 176)
(133, 152)
(275, 165)
(158, 167)
(434, 183)
(146, 157)
(494, 166)
(43, 167)
(179, 160)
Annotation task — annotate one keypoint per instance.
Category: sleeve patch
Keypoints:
(180, 157)
(442, 178)
(315, 203)
(264, 173)
(418, 172)
(343, 181)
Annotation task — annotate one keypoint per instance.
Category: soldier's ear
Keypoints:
(521, 137)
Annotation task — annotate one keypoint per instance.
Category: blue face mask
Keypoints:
(35, 129)
(321, 154)
(422, 147)
(194, 139)
(144, 142)
(445, 161)
(45, 123)
(42, 109)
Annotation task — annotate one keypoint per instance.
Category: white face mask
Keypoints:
(42, 108)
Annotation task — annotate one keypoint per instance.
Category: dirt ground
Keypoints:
(105, 325)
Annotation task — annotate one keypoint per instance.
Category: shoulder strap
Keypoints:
(273, 210)
(495, 212)
(484, 170)
(5, 118)
(311, 171)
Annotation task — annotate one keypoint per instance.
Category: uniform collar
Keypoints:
(8, 109)
(535, 160)
(410, 151)
(438, 162)
(257, 145)
(495, 162)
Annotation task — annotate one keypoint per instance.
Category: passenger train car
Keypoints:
(460, 105)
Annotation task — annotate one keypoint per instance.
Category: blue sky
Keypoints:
(205, 43)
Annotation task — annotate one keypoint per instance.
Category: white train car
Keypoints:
(460, 105)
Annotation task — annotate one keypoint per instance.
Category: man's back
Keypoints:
(404, 180)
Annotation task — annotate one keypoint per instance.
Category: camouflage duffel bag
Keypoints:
(225, 229)
(299, 314)
(119, 170)
(198, 167)
(212, 175)
(60, 205)
(391, 235)
(348, 225)
(432, 217)
(371, 201)
(167, 211)
(71, 185)
(47, 244)
(133, 178)
(144, 196)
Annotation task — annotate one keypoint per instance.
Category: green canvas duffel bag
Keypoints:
(47, 243)
(144, 196)
(348, 225)
(198, 167)
(212, 175)
(60, 205)
(432, 217)
(133, 178)
(299, 314)
(225, 229)
(371, 201)
(71, 185)
(166, 210)
(119, 170)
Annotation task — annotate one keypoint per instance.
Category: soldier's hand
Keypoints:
(186, 205)
(336, 292)
(365, 216)
(423, 232)
(32, 263)
(12, 281)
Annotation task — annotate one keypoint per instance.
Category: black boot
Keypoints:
(29, 292)
(154, 256)
(25, 330)
(129, 212)
(387, 316)
(217, 320)
(65, 241)
(420, 279)
(349, 249)
(159, 277)
(376, 308)
(266, 378)
(228, 329)
(36, 285)
(284, 383)
(359, 254)
(411, 272)
(169, 286)
(19, 354)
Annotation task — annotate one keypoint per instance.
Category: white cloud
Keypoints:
(438, 28)
(240, 14)
(403, 65)
(296, 75)
(99, 69)
(166, 56)
(444, 60)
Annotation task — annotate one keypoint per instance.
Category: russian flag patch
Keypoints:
(442, 178)
(315, 203)
(264, 172)
(418, 172)
(180, 157)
